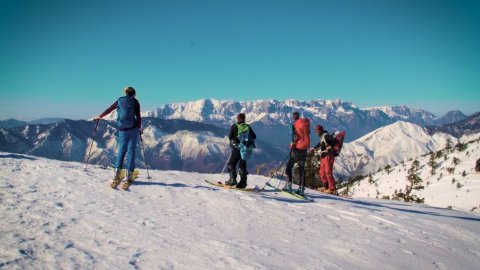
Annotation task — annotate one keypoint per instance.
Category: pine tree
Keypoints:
(312, 165)
(477, 165)
(456, 161)
(415, 183)
(448, 145)
(461, 146)
(370, 178)
(388, 169)
(432, 163)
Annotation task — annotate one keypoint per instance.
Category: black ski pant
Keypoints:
(235, 159)
(297, 156)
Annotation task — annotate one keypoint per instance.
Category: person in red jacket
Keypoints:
(327, 159)
(129, 124)
(300, 142)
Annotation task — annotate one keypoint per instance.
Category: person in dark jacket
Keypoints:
(129, 124)
(327, 159)
(236, 157)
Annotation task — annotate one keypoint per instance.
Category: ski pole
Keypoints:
(281, 165)
(91, 144)
(144, 157)
(281, 178)
(224, 167)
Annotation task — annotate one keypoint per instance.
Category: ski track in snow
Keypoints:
(55, 215)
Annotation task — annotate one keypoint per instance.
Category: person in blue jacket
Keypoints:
(129, 124)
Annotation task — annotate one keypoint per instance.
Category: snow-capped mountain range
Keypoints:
(169, 144)
(272, 117)
(454, 181)
(201, 145)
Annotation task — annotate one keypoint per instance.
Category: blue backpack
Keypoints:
(126, 112)
(246, 141)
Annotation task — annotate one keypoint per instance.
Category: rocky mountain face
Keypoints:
(169, 144)
(450, 118)
(469, 125)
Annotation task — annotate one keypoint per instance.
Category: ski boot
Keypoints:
(129, 180)
(323, 188)
(331, 191)
(243, 181)
(300, 191)
(117, 179)
(288, 187)
(231, 182)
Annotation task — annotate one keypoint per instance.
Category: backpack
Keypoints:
(337, 146)
(126, 112)
(302, 133)
(246, 141)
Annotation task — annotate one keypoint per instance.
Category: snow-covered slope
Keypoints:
(387, 145)
(54, 215)
(455, 185)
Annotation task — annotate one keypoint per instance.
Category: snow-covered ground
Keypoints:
(452, 185)
(54, 215)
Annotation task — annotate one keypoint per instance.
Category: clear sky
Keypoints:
(72, 58)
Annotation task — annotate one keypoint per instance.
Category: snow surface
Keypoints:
(55, 215)
(459, 189)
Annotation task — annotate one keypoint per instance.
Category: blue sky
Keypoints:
(72, 58)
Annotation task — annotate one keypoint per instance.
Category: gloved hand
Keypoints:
(234, 143)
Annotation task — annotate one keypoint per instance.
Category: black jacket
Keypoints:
(328, 140)
(233, 135)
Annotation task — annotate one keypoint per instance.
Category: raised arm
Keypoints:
(107, 111)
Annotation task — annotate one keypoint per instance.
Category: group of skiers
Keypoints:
(242, 141)
(299, 148)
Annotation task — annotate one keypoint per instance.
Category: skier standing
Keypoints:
(327, 159)
(236, 131)
(129, 123)
(299, 144)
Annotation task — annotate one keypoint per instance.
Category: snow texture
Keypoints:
(55, 215)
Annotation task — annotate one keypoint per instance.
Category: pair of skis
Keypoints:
(220, 184)
(298, 196)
